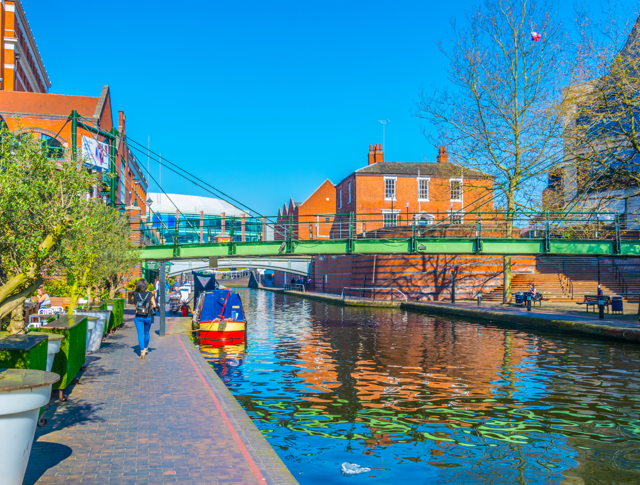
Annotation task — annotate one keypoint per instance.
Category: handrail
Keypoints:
(294, 287)
(373, 289)
(621, 279)
(567, 279)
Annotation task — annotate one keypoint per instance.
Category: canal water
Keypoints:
(430, 399)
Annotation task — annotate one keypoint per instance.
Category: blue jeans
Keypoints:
(143, 324)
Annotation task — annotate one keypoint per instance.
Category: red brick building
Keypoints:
(21, 67)
(391, 194)
(311, 219)
(46, 115)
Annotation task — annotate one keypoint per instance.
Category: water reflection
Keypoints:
(432, 400)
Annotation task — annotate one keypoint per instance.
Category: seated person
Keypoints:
(535, 296)
(43, 299)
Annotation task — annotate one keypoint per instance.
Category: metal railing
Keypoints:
(294, 287)
(393, 225)
(617, 273)
(565, 280)
(371, 291)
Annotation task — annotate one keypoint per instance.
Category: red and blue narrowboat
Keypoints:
(221, 318)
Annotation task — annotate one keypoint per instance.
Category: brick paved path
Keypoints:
(151, 421)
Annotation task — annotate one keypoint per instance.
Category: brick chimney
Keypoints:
(375, 154)
(443, 156)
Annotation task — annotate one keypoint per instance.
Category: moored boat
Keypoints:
(220, 316)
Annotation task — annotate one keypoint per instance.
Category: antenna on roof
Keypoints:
(384, 122)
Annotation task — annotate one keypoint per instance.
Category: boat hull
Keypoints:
(222, 332)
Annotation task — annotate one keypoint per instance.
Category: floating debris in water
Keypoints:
(353, 469)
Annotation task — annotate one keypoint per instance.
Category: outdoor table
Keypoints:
(68, 362)
(104, 317)
(24, 351)
(22, 393)
(54, 341)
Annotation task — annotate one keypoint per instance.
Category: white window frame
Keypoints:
(453, 214)
(424, 216)
(461, 189)
(395, 188)
(394, 212)
(423, 179)
(349, 192)
(340, 198)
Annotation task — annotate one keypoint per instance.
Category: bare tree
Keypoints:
(502, 110)
(602, 165)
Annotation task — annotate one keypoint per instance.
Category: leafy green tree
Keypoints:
(41, 200)
(98, 253)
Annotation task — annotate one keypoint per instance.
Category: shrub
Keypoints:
(57, 287)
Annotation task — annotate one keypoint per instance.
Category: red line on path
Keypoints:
(174, 322)
(252, 465)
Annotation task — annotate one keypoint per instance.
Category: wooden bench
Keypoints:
(594, 300)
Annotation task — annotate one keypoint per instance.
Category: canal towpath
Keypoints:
(165, 419)
(564, 317)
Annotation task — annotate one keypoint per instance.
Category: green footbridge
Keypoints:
(499, 246)
(579, 234)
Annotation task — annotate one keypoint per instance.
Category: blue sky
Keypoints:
(264, 100)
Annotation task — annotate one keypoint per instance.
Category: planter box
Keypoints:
(68, 362)
(23, 351)
(118, 309)
(104, 317)
(22, 393)
(53, 346)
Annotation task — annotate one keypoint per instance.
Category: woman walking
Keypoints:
(145, 303)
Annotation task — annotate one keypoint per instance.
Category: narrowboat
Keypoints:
(220, 317)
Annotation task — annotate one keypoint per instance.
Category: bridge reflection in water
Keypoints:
(433, 400)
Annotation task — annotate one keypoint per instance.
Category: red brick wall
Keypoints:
(307, 219)
(368, 198)
(421, 277)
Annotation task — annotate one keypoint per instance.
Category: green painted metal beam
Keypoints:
(575, 247)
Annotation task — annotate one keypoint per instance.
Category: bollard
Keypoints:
(528, 302)
(601, 308)
(479, 298)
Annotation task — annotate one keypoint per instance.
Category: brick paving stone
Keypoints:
(133, 421)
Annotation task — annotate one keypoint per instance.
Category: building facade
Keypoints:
(385, 195)
(46, 116)
(22, 66)
(191, 219)
(311, 219)
(391, 194)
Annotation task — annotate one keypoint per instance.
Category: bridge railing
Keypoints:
(373, 293)
(294, 287)
(392, 223)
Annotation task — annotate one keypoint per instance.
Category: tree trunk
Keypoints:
(17, 321)
(506, 290)
(10, 304)
(18, 281)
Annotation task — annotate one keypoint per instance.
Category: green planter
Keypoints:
(23, 351)
(118, 309)
(68, 362)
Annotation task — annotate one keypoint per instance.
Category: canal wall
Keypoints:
(627, 331)
(422, 277)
